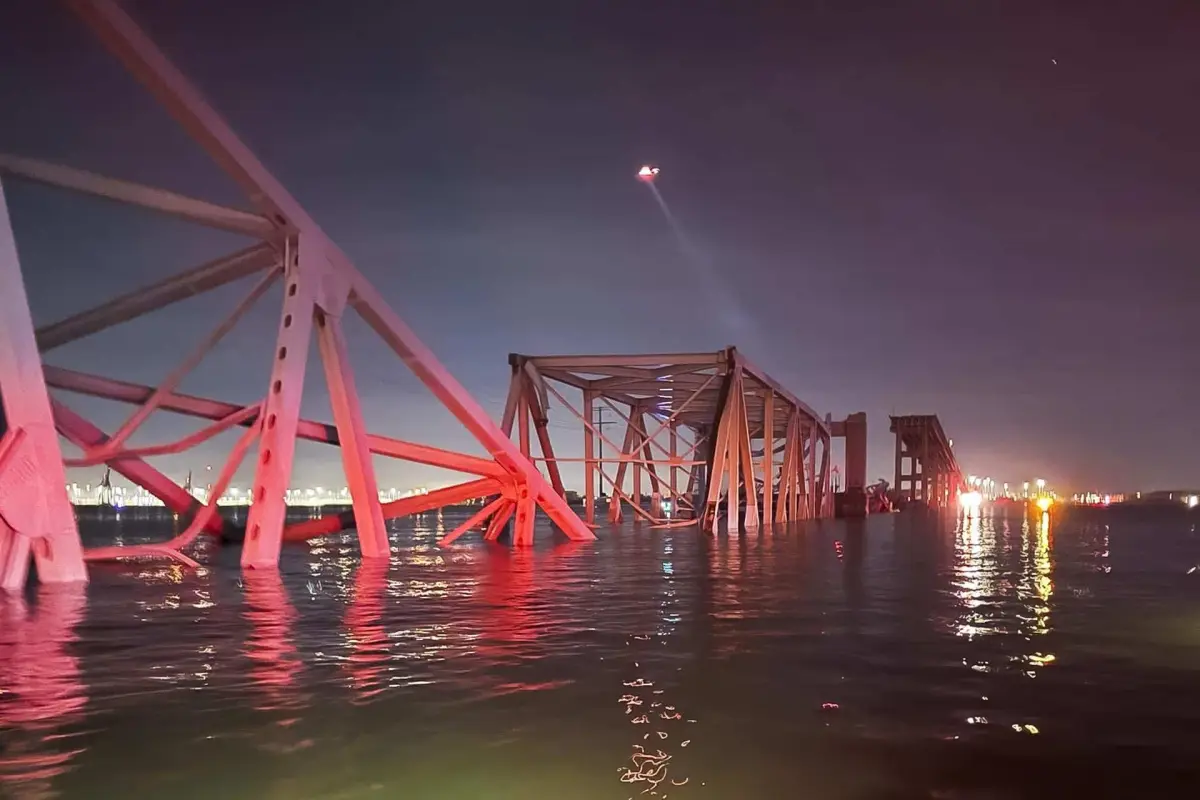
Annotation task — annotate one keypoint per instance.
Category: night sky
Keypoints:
(983, 210)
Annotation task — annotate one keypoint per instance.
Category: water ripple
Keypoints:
(901, 656)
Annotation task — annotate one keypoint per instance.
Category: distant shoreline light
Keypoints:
(139, 497)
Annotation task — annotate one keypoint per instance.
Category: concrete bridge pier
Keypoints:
(853, 502)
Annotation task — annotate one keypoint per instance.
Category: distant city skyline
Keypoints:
(135, 496)
(86, 492)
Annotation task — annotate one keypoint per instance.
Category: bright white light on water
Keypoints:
(970, 500)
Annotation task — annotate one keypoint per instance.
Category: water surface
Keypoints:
(903, 657)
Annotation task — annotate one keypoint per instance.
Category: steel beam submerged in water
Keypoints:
(320, 287)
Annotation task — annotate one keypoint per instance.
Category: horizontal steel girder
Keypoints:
(204, 408)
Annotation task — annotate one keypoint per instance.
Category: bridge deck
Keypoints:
(921, 438)
(689, 386)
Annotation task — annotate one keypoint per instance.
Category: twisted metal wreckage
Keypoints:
(710, 406)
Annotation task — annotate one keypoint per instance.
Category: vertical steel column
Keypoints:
(826, 491)
(697, 474)
(636, 452)
(812, 495)
(733, 436)
(673, 476)
(924, 459)
(589, 458)
(768, 458)
(786, 469)
(800, 483)
(264, 524)
(541, 426)
(352, 438)
(747, 458)
(523, 418)
(899, 479)
(526, 514)
(513, 399)
(628, 446)
(652, 471)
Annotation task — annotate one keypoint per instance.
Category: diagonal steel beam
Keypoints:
(198, 280)
(84, 435)
(189, 405)
(166, 202)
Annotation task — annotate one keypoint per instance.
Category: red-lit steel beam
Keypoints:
(405, 506)
(244, 416)
(9, 442)
(36, 518)
(173, 548)
(612, 364)
(356, 453)
(592, 463)
(200, 211)
(474, 521)
(203, 278)
(169, 384)
(767, 381)
(499, 520)
(535, 405)
(204, 408)
(84, 435)
(655, 377)
(465, 408)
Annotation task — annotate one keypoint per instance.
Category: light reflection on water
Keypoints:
(42, 693)
(897, 657)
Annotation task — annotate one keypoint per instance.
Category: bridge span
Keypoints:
(926, 468)
(714, 436)
(717, 439)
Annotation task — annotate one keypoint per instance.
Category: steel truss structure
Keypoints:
(932, 473)
(710, 431)
(320, 286)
